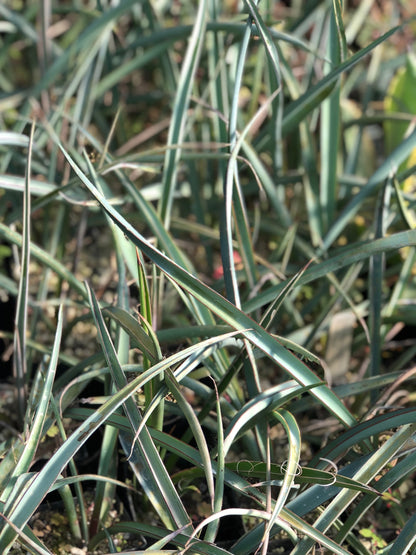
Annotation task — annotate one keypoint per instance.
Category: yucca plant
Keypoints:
(207, 222)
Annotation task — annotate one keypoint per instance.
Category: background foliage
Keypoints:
(207, 277)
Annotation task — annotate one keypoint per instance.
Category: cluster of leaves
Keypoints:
(243, 178)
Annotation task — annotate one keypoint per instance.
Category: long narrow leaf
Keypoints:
(177, 126)
(20, 358)
(195, 426)
(41, 413)
(291, 468)
(153, 475)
